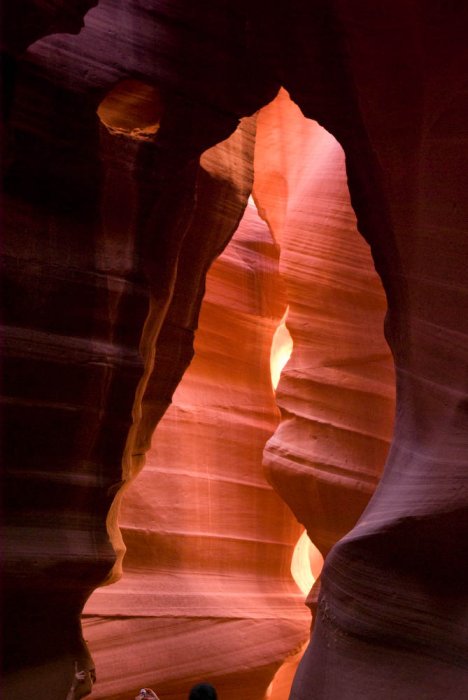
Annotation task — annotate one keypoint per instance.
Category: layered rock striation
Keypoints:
(97, 214)
(336, 392)
(205, 535)
(206, 591)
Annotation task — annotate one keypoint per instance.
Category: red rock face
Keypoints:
(421, 500)
(109, 231)
(209, 543)
(206, 537)
(336, 393)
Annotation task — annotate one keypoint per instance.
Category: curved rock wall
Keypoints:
(388, 81)
(207, 591)
(336, 393)
(206, 537)
(95, 219)
(400, 116)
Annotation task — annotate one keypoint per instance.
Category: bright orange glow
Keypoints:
(132, 108)
(281, 349)
(306, 563)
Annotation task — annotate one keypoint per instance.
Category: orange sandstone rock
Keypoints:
(102, 222)
(206, 590)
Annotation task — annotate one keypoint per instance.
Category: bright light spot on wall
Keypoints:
(132, 108)
(281, 349)
(306, 563)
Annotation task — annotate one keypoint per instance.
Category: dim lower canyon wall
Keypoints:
(207, 591)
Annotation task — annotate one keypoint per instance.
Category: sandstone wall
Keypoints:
(91, 285)
(207, 590)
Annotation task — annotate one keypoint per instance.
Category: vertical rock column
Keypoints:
(93, 226)
(74, 309)
(389, 81)
(336, 392)
(94, 221)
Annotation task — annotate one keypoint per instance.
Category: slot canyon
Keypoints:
(235, 348)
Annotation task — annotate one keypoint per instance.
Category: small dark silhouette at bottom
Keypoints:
(146, 694)
(203, 691)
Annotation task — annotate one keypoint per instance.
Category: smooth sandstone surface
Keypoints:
(207, 591)
(104, 207)
(206, 536)
(336, 393)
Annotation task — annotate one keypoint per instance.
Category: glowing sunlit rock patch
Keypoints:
(306, 563)
(281, 349)
(133, 108)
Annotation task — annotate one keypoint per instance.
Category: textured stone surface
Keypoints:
(188, 520)
(384, 581)
(101, 218)
(94, 219)
(336, 393)
(209, 543)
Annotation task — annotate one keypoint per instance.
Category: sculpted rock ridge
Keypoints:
(138, 138)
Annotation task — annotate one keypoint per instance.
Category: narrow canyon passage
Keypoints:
(138, 136)
(207, 591)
